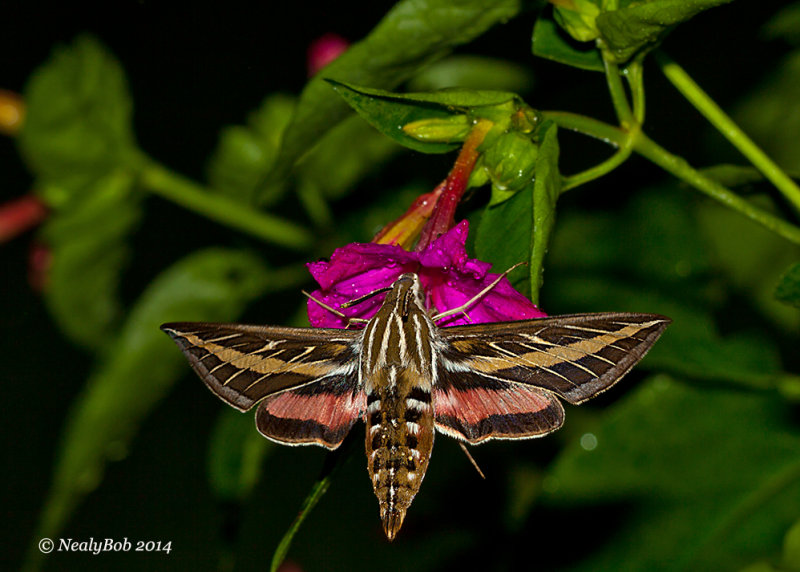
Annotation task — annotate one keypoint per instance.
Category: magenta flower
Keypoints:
(323, 51)
(448, 277)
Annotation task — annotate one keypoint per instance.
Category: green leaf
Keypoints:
(454, 100)
(390, 112)
(473, 72)
(235, 455)
(504, 236)
(414, 34)
(546, 188)
(245, 154)
(78, 121)
(788, 289)
(710, 479)
(87, 238)
(633, 29)
(344, 156)
(78, 141)
(141, 366)
(552, 43)
(518, 229)
(641, 26)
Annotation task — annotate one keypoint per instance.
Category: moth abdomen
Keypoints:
(397, 469)
(399, 440)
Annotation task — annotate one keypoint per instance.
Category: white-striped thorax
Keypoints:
(401, 332)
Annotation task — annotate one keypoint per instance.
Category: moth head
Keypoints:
(407, 290)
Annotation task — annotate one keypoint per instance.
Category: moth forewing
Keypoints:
(305, 379)
(574, 356)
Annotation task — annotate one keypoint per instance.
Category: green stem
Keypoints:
(676, 166)
(634, 73)
(601, 169)
(725, 125)
(333, 461)
(317, 492)
(190, 195)
(606, 133)
(618, 96)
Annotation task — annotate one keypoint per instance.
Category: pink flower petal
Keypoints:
(449, 277)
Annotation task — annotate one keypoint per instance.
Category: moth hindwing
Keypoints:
(407, 378)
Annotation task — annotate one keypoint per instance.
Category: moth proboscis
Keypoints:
(407, 378)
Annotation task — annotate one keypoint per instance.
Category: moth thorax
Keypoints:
(399, 441)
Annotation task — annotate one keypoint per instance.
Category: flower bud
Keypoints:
(577, 17)
(450, 130)
(323, 51)
(510, 161)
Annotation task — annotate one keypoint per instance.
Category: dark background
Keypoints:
(192, 70)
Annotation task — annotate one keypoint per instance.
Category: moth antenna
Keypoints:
(463, 309)
(365, 297)
(335, 311)
(471, 460)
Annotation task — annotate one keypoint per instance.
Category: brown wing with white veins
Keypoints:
(576, 356)
(304, 378)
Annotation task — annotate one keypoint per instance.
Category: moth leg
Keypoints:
(471, 460)
(478, 296)
(335, 311)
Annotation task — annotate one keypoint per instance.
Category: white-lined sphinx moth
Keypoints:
(406, 377)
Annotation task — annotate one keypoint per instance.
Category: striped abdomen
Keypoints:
(399, 442)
